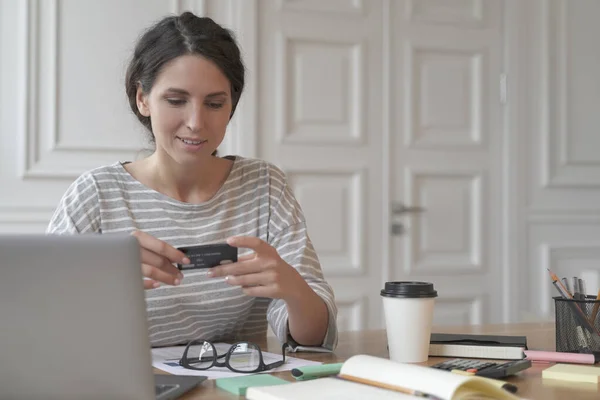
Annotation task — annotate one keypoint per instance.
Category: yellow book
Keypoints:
(367, 377)
(573, 373)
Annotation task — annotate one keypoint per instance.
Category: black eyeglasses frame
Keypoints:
(185, 362)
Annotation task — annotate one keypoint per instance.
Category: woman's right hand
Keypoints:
(157, 261)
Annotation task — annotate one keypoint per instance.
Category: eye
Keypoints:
(175, 102)
(214, 106)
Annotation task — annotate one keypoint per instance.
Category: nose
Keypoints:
(195, 120)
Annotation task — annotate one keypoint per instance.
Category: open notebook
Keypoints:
(367, 377)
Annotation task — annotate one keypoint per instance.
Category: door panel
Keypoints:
(446, 127)
(563, 184)
(319, 89)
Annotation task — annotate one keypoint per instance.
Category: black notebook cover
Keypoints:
(479, 340)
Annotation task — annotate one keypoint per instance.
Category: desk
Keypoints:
(530, 383)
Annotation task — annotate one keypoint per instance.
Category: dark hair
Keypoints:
(175, 36)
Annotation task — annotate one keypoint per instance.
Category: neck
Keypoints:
(186, 183)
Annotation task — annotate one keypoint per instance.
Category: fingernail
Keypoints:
(228, 278)
(186, 261)
(210, 273)
(180, 275)
(177, 282)
(155, 285)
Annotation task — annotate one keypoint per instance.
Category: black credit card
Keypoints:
(208, 256)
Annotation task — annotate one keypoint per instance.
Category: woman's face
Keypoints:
(189, 108)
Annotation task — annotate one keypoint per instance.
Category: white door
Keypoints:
(446, 128)
(319, 91)
(562, 155)
(379, 104)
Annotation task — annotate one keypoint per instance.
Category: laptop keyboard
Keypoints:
(161, 390)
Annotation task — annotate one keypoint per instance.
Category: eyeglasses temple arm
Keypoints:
(278, 363)
(274, 365)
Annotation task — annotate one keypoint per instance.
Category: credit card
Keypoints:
(208, 256)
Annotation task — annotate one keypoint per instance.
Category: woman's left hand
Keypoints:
(263, 273)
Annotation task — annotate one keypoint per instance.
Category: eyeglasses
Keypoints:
(245, 357)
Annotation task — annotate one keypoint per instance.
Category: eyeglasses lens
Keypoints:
(201, 354)
(244, 357)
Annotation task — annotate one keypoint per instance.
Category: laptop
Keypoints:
(73, 321)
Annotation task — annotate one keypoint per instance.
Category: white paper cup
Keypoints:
(408, 308)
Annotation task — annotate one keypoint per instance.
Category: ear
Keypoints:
(142, 102)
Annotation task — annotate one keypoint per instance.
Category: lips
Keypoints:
(192, 141)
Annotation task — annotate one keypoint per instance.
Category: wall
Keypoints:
(63, 111)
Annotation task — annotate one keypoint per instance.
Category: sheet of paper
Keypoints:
(167, 359)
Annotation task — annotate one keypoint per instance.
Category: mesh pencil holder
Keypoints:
(577, 325)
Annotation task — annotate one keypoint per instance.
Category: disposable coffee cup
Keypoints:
(408, 308)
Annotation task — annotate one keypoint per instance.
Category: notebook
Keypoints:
(573, 373)
(367, 377)
(477, 346)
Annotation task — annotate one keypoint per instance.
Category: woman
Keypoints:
(183, 84)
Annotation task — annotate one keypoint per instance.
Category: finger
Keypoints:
(260, 291)
(248, 242)
(150, 284)
(157, 274)
(247, 257)
(160, 247)
(260, 279)
(238, 268)
(151, 258)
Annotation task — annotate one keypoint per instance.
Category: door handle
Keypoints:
(400, 208)
(398, 229)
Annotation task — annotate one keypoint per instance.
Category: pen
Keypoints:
(575, 307)
(576, 288)
(559, 286)
(582, 289)
(583, 338)
(565, 282)
(316, 371)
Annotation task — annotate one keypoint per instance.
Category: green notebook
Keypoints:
(238, 385)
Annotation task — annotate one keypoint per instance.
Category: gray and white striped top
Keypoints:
(255, 200)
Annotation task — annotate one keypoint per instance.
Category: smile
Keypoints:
(192, 142)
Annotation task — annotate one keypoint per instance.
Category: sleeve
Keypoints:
(290, 238)
(78, 210)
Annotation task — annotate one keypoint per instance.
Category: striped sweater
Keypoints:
(255, 200)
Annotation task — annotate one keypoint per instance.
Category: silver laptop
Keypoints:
(73, 321)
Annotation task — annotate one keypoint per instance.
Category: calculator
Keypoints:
(485, 368)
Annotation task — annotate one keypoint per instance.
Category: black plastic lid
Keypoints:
(408, 289)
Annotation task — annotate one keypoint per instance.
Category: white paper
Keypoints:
(167, 359)
(325, 389)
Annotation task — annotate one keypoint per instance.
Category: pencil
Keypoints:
(388, 386)
(561, 288)
(566, 295)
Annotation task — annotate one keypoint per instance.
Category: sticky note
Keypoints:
(239, 384)
(573, 373)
